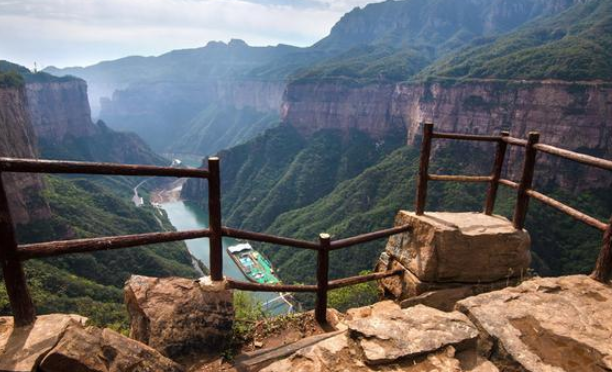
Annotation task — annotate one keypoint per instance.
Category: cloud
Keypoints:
(76, 32)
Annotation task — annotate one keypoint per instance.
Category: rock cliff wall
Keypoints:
(261, 95)
(573, 116)
(18, 140)
(58, 109)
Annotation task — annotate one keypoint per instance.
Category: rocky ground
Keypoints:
(541, 325)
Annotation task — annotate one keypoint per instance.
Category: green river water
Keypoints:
(188, 216)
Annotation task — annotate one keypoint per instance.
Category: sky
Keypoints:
(65, 33)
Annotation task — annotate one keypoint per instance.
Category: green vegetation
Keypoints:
(358, 295)
(219, 127)
(10, 71)
(367, 64)
(574, 45)
(91, 284)
(11, 79)
(104, 145)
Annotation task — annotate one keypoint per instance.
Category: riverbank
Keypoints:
(169, 194)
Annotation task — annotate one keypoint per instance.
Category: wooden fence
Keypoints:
(603, 266)
(12, 255)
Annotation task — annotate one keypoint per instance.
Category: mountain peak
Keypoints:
(237, 43)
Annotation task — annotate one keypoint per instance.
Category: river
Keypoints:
(188, 216)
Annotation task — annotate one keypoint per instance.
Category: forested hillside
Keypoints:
(574, 45)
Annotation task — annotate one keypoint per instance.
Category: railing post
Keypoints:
(421, 195)
(14, 277)
(522, 199)
(322, 279)
(214, 220)
(496, 175)
(603, 267)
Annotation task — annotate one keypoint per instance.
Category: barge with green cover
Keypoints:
(253, 264)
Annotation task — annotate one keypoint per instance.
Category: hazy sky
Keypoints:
(82, 32)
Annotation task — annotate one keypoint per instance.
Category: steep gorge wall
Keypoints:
(310, 107)
(261, 95)
(18, 140)
(59, 109)
(571, 116)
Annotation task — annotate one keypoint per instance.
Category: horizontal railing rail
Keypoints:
(603, 266)
(13, 254)
(62, 247)
(109, 169)
(265, 238)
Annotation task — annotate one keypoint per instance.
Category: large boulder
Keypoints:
(93, 349)
(546, 324)
(390, 333)
(460, 247)
(22, 348)
(179, 317)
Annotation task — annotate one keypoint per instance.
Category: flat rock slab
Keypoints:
(21, 349)
(179, 317)
(460, 247)
(390, 333)
(336, 355)
(93, 349)
(546, 324)
(379, 338)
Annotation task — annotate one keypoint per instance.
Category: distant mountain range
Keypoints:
(199, 101)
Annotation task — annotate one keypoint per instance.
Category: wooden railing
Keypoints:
(603, 266)
(12, 255)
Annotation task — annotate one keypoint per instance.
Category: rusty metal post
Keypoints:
(421, 196)
(214, 220)
(522, 199)
(14, 277)
(603, 267)
(498, 165)
(322, 278)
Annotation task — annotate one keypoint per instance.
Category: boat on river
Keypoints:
(255, 266)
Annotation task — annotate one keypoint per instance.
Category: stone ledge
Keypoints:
(410, 290)
(460, 247)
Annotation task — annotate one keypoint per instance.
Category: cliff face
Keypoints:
(58, 109)
(310, 107)
(262, 96)
(18, 140)
(572, 116)
(61, 119)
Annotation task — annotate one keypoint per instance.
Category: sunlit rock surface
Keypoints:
(21, 349)
(93, 349)
(179, 316)
(546, 324)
